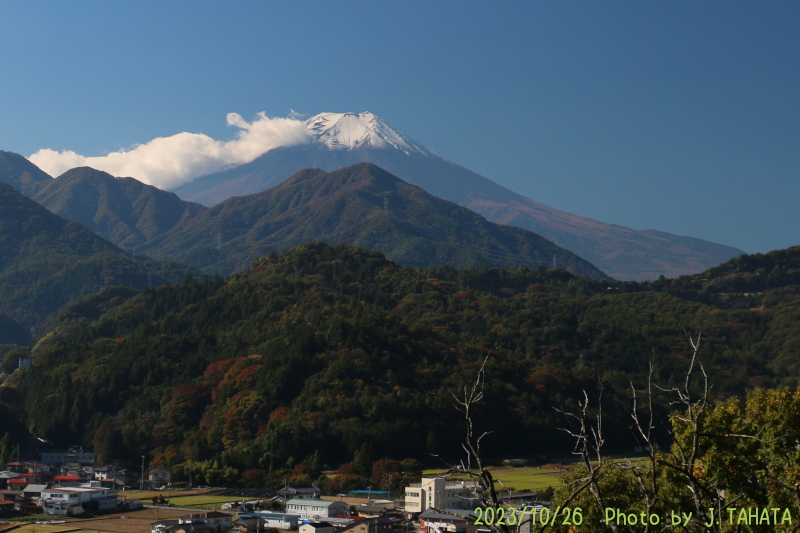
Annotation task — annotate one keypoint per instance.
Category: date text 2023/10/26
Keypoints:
(574, 516)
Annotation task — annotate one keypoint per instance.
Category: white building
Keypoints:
(276, 520)
(75, 500)
(104, 473)
(311, 509)
(207, 522)
(437, 493)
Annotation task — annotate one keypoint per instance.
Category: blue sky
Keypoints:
(679, 116)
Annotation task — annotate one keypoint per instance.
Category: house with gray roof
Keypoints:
(311, 509)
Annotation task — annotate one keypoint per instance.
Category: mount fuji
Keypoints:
(339, 140)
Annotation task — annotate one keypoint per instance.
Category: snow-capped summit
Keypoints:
(350, 131)
(339, 140)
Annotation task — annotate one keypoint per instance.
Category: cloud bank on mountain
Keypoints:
(167, 162)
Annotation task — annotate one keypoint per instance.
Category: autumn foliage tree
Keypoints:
(726, 460)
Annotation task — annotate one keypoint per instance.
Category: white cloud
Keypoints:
(168, 162)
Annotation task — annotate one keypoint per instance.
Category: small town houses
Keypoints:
(54, 486)
(311, 509)
(75, 488)
(208, 521)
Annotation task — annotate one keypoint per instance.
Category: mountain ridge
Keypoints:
(21, 174)
(124, 210)
(622, 252)
(363, 205)
(47, 262)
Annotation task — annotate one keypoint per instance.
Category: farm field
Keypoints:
(200, 499)
(535, 478)
(525, 479)
(148, 494)
(181, 498)
(519, 478)
(56, 528)
(125, 522)
(39, 528)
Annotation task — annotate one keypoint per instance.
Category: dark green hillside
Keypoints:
(21, 174)
(754, 273)
(124, 211)
(47, 262)
(362, 205)
(327, 348)
(12, 428)
(12, 332)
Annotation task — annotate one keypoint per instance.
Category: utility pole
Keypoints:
(142, 485)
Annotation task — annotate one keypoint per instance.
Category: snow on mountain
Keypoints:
(350, 131)
(339, 140)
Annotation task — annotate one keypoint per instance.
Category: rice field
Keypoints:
(182, 498)
(55, 528)
(42, 528)
(535, 478)
(202, 499)
(524, 479)
(519, 478)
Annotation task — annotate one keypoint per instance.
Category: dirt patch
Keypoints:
(128, 521)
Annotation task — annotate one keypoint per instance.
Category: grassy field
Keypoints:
(182, 498)
(535, 478)
(148, 494)
(520, 479)
(202, 499)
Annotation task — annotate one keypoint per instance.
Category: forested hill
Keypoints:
(21, 173)
(124, 211)
(329, 348)
(363, 205)
(47, 262)
(754, 273)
